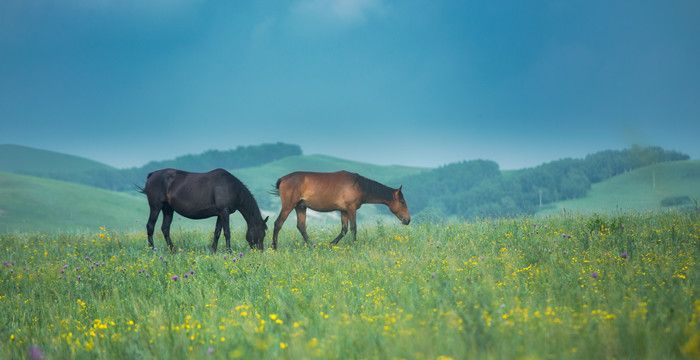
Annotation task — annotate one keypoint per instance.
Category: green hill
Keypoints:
(30, 203)
(641, 189)
(26, 160)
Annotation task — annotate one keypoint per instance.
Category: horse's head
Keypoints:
(256, 234)
(397, 205)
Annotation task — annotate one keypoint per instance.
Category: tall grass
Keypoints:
(566, 286)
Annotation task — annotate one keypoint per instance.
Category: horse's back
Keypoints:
(321, 191)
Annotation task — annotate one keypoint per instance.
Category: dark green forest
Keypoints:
(478, 188)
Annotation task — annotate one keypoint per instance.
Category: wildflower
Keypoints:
(273, 317)
(191, 272)
(623, 255)
(240, 254)
(210, 350)
(7, 264)
(175, 278)
(283, 345)
(35, 353)
(594, 275)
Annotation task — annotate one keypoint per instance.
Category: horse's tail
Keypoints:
(276, 190)
(139, 189)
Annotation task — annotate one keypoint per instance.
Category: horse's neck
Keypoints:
(374, 199)
(251, 213)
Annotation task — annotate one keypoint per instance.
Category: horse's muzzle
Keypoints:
(406, 221)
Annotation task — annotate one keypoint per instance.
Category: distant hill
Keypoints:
(641, 189)
(53, 165)
(34, 204)
(477, 188)
(26, 160)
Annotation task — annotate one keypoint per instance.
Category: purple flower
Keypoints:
(594, 275)
(7, 264)
(210, 350)
(225, 257)
(191, 272)
(35, 353)
(175, 278)
(234, 259)
(78, 277)
(624, 255)
(240, 254)
(186, 276)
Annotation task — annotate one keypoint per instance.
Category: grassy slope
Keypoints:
(504, 289)
(35, 204)
(22, 159)
(634, 190)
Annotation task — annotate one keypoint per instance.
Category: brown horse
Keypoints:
(338, 191)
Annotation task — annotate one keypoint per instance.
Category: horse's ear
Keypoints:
(400, 187)
(265, 221)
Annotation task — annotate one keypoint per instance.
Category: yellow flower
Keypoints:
(283, 345)
(296, 324)
(273, 317)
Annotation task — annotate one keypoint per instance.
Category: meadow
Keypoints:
(565, 286)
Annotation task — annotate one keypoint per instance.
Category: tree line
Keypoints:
(478, 188)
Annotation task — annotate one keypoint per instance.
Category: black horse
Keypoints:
(199, 196)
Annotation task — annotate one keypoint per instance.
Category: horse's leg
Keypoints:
(151, 225)
(217, 234)
(281, 218)
(165, 227)
(227, 229)
(352, 215)
(301, 222)
(344, 229)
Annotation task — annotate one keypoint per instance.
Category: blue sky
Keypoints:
(390, 82)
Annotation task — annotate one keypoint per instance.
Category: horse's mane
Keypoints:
(248, 203)
(374, 189)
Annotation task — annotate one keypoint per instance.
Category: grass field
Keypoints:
(560, 287)
(640, 189)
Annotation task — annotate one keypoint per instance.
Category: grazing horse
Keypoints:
(338, 191)
(199, 196)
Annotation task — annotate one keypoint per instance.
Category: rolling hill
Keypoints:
(35, 204)
(26, 160)
(641, 189)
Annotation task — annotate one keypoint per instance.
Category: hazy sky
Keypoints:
(402, 82)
